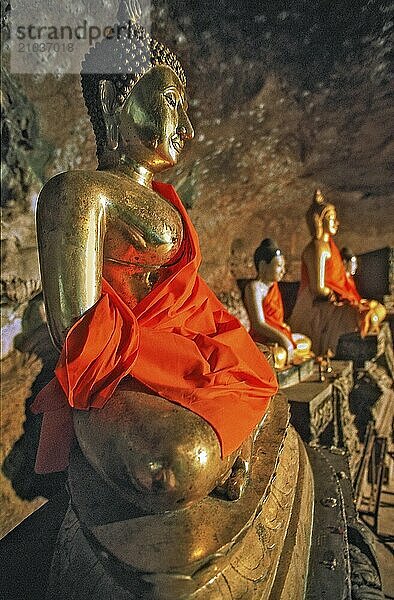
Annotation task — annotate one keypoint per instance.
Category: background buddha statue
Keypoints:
(166, 387)
(328, 303)
(377, 311)
(350, 263)
(264, 304)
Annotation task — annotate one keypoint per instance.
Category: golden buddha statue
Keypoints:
(182, 468)
(328, 304)
(377, 311)
(166, 390)
(264, 304)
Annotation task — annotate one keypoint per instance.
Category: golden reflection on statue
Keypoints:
(180, 460)
(328, 303)
(112, 223)
(107, 240)
(264, 304)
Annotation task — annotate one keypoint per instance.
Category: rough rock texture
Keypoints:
(21, 161)
(285, 96)
(18, 373)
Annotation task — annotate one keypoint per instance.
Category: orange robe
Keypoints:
(325, 322)
(274, 313)
(179, 341)
(335, 277)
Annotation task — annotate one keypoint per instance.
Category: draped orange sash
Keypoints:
(274, 312)
(179, 341)
(335, 277)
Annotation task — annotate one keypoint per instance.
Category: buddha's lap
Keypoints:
(157, 454)
(323, 322)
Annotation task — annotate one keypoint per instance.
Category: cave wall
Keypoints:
(284, 97)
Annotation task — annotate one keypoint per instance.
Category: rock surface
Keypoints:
(18, 373)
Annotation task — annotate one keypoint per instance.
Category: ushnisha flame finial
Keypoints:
(129, 11)
(318, 196)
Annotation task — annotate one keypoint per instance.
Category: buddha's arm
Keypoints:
(374, 317)
(70, 231)
(254, 297)
(315, 256)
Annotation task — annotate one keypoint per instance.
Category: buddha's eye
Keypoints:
(171, 99)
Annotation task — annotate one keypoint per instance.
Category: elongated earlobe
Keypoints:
(317, 222)
(108, 105)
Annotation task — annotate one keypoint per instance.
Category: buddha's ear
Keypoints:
(318, 225)
(107, 96)
(108, 104)
(262, 268)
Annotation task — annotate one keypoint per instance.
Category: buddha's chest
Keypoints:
(144, 231)
(143, 237)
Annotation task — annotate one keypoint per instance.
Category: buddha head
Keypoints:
(349, 260)
(269, 261)
(134, 90)
(321, 217)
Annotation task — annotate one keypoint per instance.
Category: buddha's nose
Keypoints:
(185, 129)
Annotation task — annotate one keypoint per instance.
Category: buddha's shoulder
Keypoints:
(75, 192)
(315, 250)
(312, 246)
(255, 286)
(91, 192)
(79, 182)
(251, 284)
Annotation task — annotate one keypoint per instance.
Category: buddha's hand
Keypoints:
(237, 481)
(375, 315)
(233, 487)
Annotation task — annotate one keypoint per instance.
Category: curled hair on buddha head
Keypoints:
(266, 252)
(123, 58)
(316, 213)
(347, 253)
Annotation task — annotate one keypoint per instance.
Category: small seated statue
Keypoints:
(264, 304)
(161, 386)
(328, 303)
(377, 311)
(350, 263)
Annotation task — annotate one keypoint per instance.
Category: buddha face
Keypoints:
(153, 122)
(273, 271)
(330, 222)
